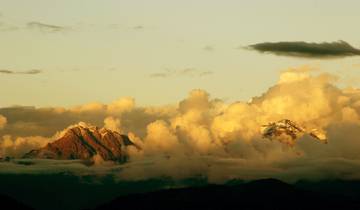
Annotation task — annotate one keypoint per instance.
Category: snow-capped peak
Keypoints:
(287, 131)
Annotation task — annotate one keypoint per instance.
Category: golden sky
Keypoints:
(157, 51)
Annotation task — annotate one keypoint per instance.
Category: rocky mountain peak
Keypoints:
(84, 141)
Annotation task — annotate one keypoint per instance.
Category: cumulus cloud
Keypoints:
(307, 49)
(29, 72)
(160, 138)
(45, 27)
(205, 136)
(113, 124)
(121, 105)
(230, 133)
(16, 147)
(90, 107)
(188, 72)
(3, 121)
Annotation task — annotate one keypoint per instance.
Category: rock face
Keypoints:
(84, 142)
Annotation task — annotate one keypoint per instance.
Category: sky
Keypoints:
(157, 51)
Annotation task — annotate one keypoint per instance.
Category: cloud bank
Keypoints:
(307, 49)
(204, 136)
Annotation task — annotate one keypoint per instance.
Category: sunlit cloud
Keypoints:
(3, 121)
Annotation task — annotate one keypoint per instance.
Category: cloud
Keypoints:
(118, 106)
(113, 124)
(209, 48)
(157, 75)
(6, 72)
(29, 72)
(16, 147)
(187, 72)
(230, 133)
(33, 71)
(205, 136)
(45, 27)
(3, 121)
(90, 107)
(121, 105)
(307, 49)
(138, 27)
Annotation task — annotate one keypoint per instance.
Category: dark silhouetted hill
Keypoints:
(260, 194)
(9, 204)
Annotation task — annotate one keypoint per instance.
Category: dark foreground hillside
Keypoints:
(9, 203)
(261, 194)
(69, 192)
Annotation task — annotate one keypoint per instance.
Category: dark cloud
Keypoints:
(307, 49)
(6, 72)
(45, 27)
(187, 72)
(30, 72)
(33, 71)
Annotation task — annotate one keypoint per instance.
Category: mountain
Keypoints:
(260, 194)
(84, 142)
(285, 127)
